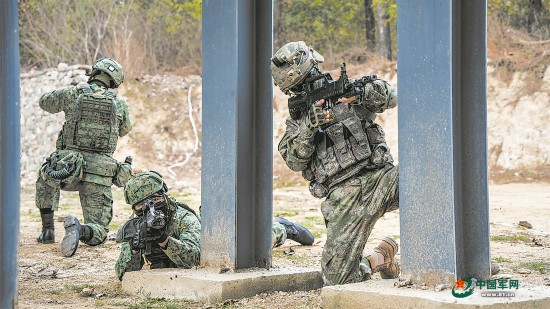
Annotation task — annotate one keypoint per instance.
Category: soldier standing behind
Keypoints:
(346, 161)
(83, 161)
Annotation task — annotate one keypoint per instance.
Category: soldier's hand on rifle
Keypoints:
(327, 113)
(135, 243)
(157, 236)
(347, 100)
(316, 115)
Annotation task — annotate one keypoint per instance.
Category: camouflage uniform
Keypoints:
(279, 235)
(182, 249)
(357, 195)
(100, 167)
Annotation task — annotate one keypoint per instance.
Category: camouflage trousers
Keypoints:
(351, 210)
(278, 233)
(96, 202)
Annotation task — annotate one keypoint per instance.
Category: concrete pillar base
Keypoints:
(205, 285)
(382, 294)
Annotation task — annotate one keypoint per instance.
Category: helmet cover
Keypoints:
(143, 185)
(111, 68)
(291, 64)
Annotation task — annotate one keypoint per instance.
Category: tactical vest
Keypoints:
(354, 142)
(93, 125)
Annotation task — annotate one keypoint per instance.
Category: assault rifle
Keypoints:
(323, 86)
(147, 227)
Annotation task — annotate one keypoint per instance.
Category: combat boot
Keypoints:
(74, 232)
(382, 259)
(48, 229)
(296, 232)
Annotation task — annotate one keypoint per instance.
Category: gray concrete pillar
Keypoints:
(9, 152)
(443, 139)
(237, 134)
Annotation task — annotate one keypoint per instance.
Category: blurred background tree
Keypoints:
(165, 35)
(143, 35)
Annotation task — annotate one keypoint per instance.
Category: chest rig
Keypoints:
(354, 142)
(93, 125)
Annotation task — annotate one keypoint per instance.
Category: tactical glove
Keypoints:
(315, 117)
(377, 97)
(157, 236)
(135, 243)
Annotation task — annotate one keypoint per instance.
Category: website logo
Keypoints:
(463, 288)
(488, 288)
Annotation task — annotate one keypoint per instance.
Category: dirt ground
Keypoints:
(87, 280)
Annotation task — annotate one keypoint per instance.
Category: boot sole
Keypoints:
(70, 241)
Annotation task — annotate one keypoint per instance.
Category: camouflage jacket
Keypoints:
(100, 167)
(182, 250)
(298, 144)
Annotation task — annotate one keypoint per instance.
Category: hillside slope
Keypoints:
(167, 139)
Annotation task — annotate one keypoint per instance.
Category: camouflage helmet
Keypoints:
(111, 68)
(291, 64)
(143, 185)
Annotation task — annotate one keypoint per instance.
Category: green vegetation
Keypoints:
(296, 256)
(77, 288)
(280, 185)
(55, 291)
(32, 213)
(141, 34)
(285, 213)
(151, 37)
(500, 259)
(539, 266)
(114, 226)
(148, 303)
(114, 292)
(315, 224)
(531, 16)
(510, 238)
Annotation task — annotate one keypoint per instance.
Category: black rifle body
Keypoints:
(324, 87)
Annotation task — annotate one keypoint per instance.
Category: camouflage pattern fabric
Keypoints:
(96, 201)
(350, 212)
(278, 233)
(353, 205)
(143, 185)
(182, 250)
(297, 145)
(99, 169)
(64, 100)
